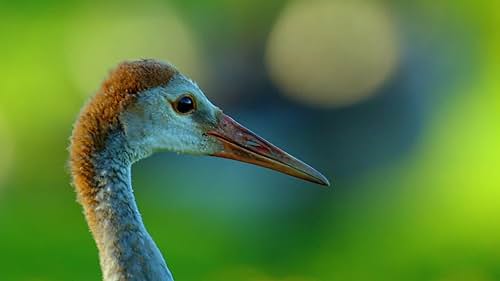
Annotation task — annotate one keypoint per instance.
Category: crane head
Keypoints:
(169, 112)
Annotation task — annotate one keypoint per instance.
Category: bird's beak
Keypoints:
(241, 144)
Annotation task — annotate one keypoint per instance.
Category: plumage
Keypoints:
(142, 107)
(100, 116)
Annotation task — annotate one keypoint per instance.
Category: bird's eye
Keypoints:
(185, 105)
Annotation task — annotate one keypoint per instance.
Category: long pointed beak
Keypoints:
(241, 144)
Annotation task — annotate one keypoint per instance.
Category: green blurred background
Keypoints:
(397, 102)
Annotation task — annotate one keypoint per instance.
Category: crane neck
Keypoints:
(127, 251)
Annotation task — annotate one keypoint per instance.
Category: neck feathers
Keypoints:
(100, 167)
(127, 252)
(100, 118)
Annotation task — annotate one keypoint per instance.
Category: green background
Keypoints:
(414, 165)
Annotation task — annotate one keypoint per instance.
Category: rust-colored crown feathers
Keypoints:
(100, 116)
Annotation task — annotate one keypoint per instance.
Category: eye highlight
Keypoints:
(185, 105)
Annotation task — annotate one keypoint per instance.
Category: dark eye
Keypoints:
(184, 105)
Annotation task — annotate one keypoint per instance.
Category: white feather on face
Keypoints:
(152, 124)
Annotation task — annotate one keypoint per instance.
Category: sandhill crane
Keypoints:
(146, 106)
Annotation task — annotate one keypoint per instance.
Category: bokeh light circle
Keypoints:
(6, 152)
(332, 53)
(101, 38)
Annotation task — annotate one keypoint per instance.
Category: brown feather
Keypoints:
(100, 116)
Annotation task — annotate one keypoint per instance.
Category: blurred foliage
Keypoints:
(415, 165)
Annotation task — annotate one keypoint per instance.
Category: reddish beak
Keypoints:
(241, 144)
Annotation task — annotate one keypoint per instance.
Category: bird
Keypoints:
(146, 106)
